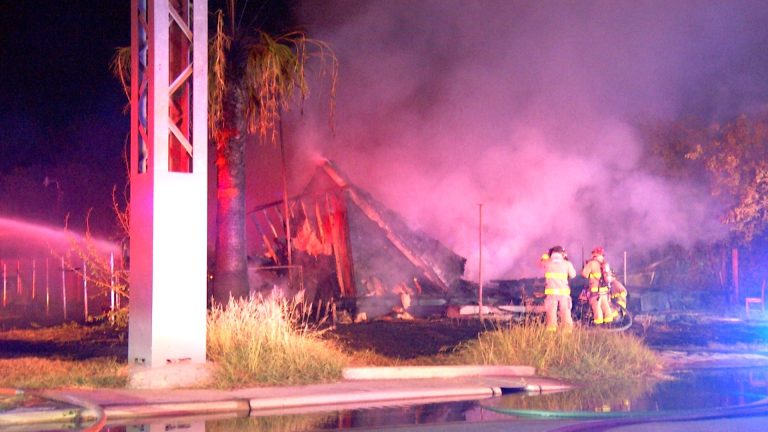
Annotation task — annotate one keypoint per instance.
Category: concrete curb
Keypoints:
(546, 388)
(180, 409)
(429, 372)
(260, 404)
(386, 384)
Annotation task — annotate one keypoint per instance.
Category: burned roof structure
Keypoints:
(346, 245)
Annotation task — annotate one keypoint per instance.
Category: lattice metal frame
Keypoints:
(180, 87)
(180, 37)
(140, 95)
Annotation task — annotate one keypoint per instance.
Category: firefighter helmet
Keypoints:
(598, 251)
(558, 249)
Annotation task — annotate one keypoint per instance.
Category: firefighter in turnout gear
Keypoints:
(557, 271)
(595, 271)
(618, 290)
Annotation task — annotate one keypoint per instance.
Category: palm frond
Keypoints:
(120, 65)
(275, 73)
(217, 76)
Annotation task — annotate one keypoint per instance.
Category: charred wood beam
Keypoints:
(291, 200)
(271, 227)
(340, 249)
(265, 240)
(374, 215)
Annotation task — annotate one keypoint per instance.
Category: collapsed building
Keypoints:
(337, 244)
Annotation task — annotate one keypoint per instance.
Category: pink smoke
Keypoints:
(528, 108)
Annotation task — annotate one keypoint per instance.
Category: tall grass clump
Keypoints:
(266, 341)
(583, 355)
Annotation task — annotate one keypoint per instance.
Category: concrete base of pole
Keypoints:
(178, 375)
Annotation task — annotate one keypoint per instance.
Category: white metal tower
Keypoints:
(169, 161)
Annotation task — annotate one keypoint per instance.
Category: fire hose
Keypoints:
(98, 412)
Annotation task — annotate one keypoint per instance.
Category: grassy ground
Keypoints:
(33, 372)
(70, 355)
(583, 354)
(269, 343)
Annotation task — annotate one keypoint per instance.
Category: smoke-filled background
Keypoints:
(530, 108)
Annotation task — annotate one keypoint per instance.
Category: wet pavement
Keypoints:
(116, 405)
(699, 399)
(466, 400)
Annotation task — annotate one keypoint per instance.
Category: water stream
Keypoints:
(48, 274)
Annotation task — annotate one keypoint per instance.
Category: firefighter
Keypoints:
(594, 271)
(617, 290)
(557, 271)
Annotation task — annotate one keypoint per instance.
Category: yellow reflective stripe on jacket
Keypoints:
(595, 275)
(557, 291)
(620, 299)
(556, 275)
(601, 290)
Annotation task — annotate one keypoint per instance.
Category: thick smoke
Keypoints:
(530, 108)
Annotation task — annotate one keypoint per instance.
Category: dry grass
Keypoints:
(268, 342)
(584, 355)
(368, 358)
(34, 372)
(265, 341)
(71, 331)
(54, 369)
(251, 342)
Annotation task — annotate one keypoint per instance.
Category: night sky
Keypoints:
(61, 110)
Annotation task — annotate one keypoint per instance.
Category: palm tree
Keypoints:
(253, 78)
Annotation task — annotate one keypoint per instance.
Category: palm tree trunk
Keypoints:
(286, 211)
(231, 266)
